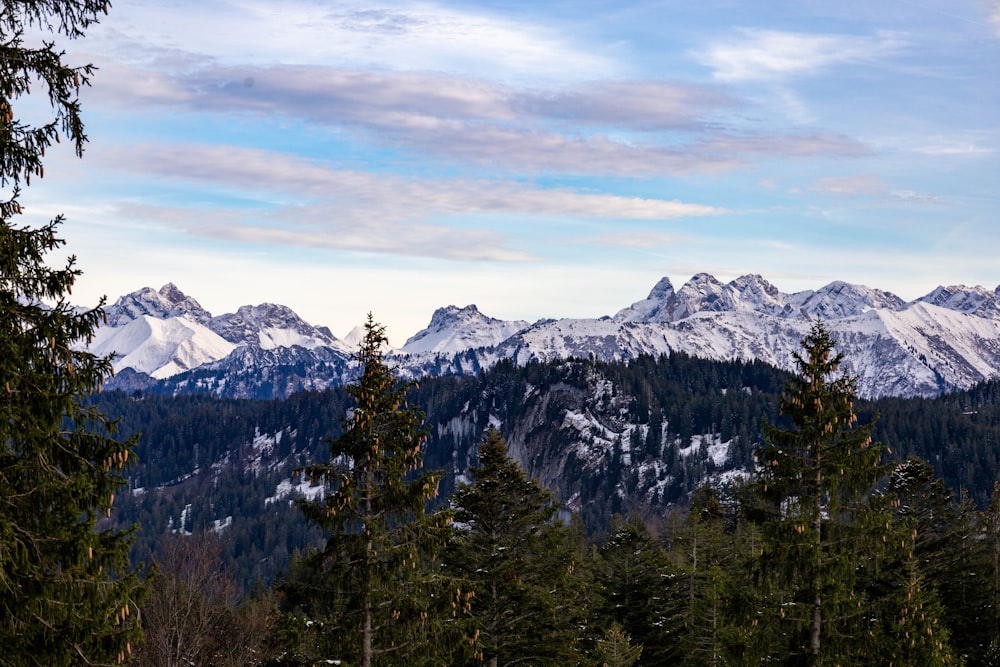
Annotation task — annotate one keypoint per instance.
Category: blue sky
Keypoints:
(538, 159)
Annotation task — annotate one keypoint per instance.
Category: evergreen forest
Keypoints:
(649, 552)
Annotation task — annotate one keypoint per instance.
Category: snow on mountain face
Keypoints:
(164, 332)
(659, 306)
(269, 326)
(752, 293)
(160, 348)
(454, 329)
(948, 339)
(354, 337)
(840, 299)
(973, 300)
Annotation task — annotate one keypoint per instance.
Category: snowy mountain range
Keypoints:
(949, 339)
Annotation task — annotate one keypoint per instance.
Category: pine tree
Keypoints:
(952, 556)
(616, 649)
(813, 480)
(991, 535)
(372, 589)
(519, 561)
(641, 591)
(915, 635)
(708, 555)
(67, 593)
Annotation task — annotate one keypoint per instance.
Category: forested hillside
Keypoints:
(698, 524)
(629, 438)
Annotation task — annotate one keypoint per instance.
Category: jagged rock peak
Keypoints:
(270, 325)
(169, 301)
(840, 299)
(657, 307)
(454, 329)
(976, 300)
(705, 293)
(662, 290)
(753, 292)
(449, 315)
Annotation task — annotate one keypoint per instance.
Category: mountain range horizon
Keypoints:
(947, 339)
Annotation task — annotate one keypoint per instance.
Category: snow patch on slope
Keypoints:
(160, 348)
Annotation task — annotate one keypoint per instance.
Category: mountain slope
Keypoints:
(946, 340)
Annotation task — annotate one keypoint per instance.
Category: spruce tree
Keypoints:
(67, 593)
(520, 563)
(913, 632)
(616, 649)
(952, 556)
(709, 554)
(819, 532)
(640, 591)
(373, 591)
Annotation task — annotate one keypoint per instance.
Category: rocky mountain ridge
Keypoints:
(946, 340)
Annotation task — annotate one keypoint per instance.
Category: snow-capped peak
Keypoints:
(657, 307)
(167, 302)
(454, 329)
(840, 299)
(160, 347)
(972, 300)
(269, 326)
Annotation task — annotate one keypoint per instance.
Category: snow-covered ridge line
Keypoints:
(948, 339)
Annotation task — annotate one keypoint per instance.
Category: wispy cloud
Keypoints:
(306, 203)
(634, 239)
(423, 36)
(850, 185)
(755, 54)
(994, 6)
(871, 187)
(635, 128)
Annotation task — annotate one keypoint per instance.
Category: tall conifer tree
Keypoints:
(640, 591)
(520, 563)
(372, 589)
(67, 594)
(814, 479)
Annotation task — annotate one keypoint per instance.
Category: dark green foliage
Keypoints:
(373, 588)
(200, 451)
(616, 649)
(913, 632)
(68, 595)
(65, 581)
(713, 553)
(22, 66)
(641, 592)
(958, 434)
(944, 539)
(519, 562)
(991, 538)
(223, 458)
(820, 533)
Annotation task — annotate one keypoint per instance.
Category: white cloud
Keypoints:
(657, 127)
(869, 186)
(305, 203)
(994, 6)
(756, 54)
(850, 185)
(393, 35)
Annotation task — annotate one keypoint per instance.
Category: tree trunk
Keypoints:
(817, 611)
